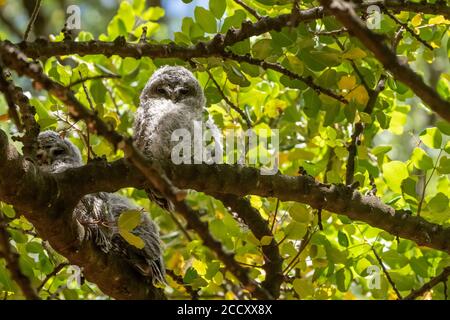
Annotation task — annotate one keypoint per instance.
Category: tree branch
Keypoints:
(12, 263)
(149, 168)
(359, 128)
(49, 206)
(15, 96)
(228, 101)
(388, 276)
(252, 11)
(429, 285)
(279, 68)
(221, 178)
(41, 48)
(260, 228)
(33, 17)
(374, 42)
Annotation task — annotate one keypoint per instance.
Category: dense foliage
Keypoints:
(343, 119)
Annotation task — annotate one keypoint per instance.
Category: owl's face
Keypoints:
(176, 84)
(54, 152)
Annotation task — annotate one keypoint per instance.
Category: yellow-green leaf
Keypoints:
(129, 220)
(132, 239)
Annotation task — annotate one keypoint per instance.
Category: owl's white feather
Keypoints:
(172, 99)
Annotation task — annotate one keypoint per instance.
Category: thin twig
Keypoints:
(275, 215)
(279, 68)
(180, 226)
(388, 276)
(303, 245)
(331, 33)
(252, 11)
(228, 101)
(358, 130)
(425, 185)
(55, 271)
(32, 19)
(91, 105)
(430, 284)
(194, 293)
(96, 77)
(407, 28)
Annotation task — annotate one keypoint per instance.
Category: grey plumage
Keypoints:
(97, 214)
(172, 99)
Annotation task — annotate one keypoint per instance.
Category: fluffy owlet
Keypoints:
(172, 99)
(97, 214)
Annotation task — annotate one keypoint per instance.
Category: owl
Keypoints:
(172, 100)
(96, 215)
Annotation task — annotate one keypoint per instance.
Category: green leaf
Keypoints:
(7, 210)
(153, 14)
(296, 230)
(129, 220)
(421, 160)
(420, 266)
(342, 239)
(381, 150)
(295, 64)
(98, 91)
(262, 49)
(344, 278)
(34, 247)
(312, 103)
(235, 75)
(444, 165)
(394, 172)
(266, 240)
(438, 203)
(303, 287)
(126, 14)
(444, 127)
(432, 138)
(205, 19)
(132, 239)
(217, 7)
(233, 21)
(190, 276)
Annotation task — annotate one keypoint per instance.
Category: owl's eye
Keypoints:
(161, 91)
(58, 152)
(184, 91)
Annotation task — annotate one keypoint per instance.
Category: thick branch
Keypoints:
(44, 49)
(374, 42)
(150, 170)
(48, 205)
(260, 228)
(221, 178)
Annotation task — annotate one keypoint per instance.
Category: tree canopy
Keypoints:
(359, 93)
